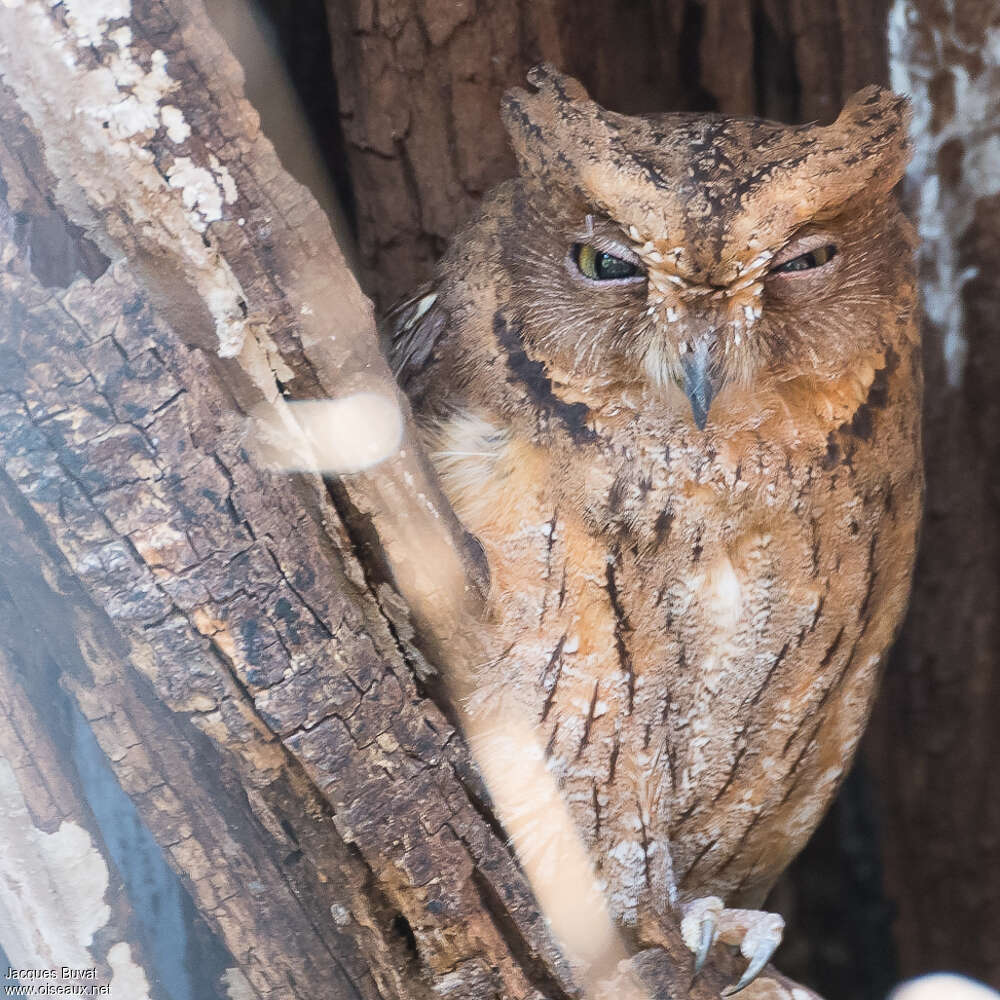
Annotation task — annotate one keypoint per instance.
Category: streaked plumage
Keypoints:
(696, 618)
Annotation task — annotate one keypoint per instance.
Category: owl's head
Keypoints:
(703, 254)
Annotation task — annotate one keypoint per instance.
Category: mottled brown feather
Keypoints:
(696, 619)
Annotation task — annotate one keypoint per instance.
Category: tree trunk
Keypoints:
(935, 742)
(163, 277)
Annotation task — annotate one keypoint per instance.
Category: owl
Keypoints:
(669, 378)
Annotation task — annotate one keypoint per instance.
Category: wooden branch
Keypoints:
(236, 843)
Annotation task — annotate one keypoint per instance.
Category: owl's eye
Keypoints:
(599, 265)
(807, 261)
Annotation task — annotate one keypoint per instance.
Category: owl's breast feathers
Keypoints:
(695, 473)
(696, 620)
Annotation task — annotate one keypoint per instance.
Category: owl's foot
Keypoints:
(705, 921)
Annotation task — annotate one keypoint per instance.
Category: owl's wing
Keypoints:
(410, 330)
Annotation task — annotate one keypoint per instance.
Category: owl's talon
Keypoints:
(758, 934)
(761, 940)
(760, 958)
(699, 927)
(708, 929)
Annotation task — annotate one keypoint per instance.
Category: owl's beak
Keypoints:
(700, 386)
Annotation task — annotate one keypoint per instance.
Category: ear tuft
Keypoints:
(873, 128)
(875, 108)
(555, 116)
(547, 79)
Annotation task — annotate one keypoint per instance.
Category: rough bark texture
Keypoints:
(329, 827)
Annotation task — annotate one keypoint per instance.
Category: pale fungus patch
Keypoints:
(174, 122)
(52, 886)
(88, 19)
(201, 191)
(127, 978)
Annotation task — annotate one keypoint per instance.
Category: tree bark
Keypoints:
(163, 277)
